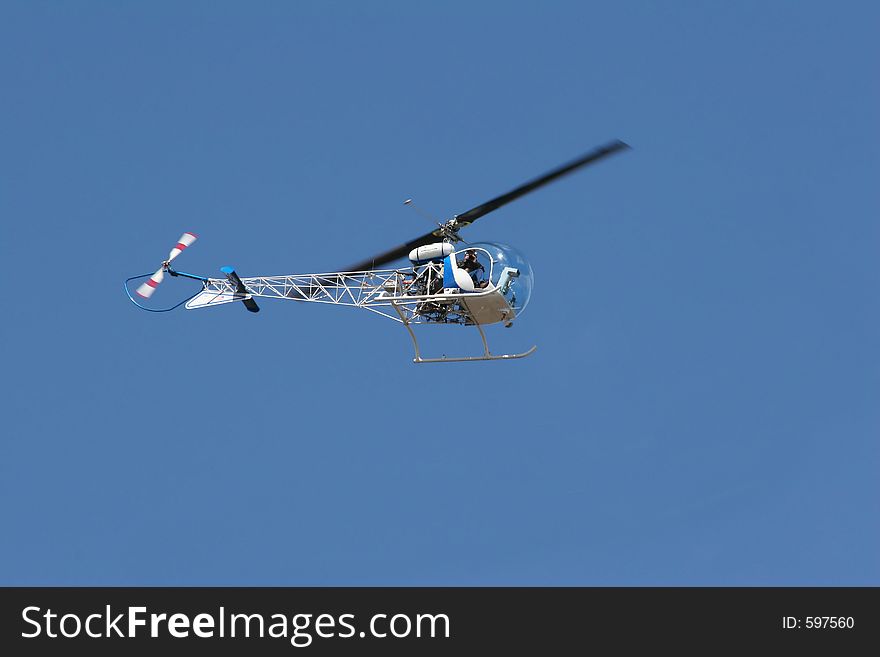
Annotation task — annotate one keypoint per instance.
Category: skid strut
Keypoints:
(486, 355)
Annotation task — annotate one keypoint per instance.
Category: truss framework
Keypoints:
(409, 296)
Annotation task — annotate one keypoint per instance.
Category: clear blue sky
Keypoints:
(703, 405)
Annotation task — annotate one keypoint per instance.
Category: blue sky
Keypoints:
(702, 408)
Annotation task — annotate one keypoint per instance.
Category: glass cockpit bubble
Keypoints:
(508, 271)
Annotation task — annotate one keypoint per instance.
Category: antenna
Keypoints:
(427, 216)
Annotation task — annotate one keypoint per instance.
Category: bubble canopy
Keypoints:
(507, 269)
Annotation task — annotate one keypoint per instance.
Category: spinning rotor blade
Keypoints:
(397, 252)
(473, 214)
(185, 240)
(146, 290)
(467, 218)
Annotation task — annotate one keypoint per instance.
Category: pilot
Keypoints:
(471, 265)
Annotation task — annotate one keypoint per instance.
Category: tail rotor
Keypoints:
(185, 240)
(146, 290)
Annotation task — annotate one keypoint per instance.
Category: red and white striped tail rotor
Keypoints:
(146, 290)
(185, 240)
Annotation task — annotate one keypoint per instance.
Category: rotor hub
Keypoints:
(449, 230)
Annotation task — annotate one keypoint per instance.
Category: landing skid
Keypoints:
(486, 355)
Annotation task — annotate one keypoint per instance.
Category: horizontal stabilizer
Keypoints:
(240, 289)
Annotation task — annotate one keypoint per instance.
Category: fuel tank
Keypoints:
(430, 252)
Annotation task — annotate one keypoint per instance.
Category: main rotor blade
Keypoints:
(473, 214)
(397, 252)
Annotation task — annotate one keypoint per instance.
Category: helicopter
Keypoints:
(474, 285)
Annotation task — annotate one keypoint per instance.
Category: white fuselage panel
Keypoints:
(488, 308)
